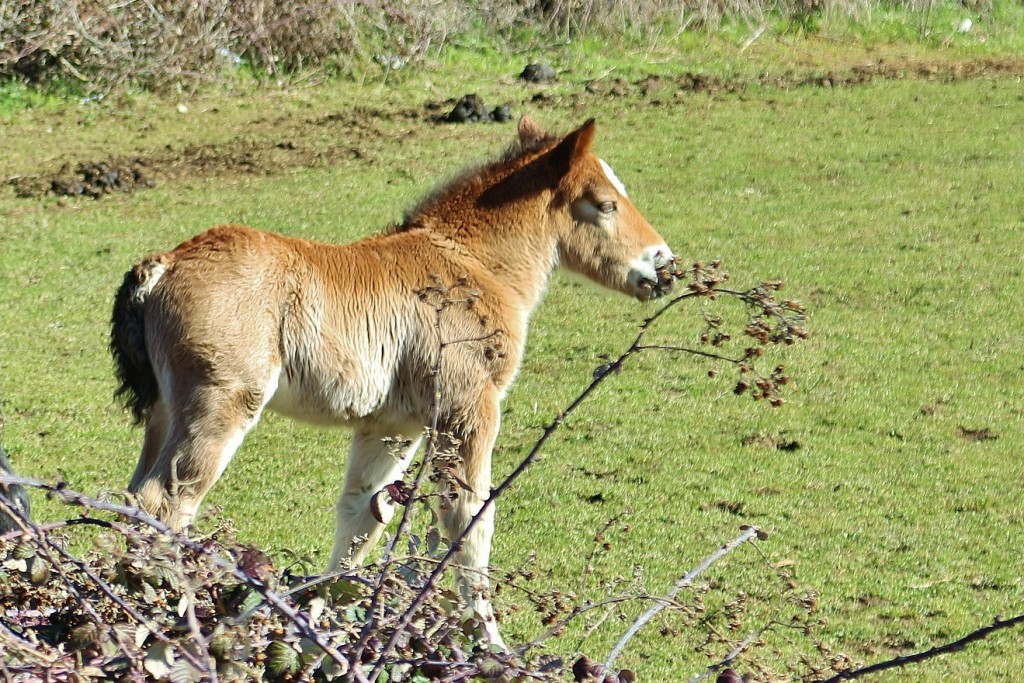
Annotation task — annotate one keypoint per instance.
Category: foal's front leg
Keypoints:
(477, 434)
(378, 458)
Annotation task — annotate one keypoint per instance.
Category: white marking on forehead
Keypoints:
(614, 179)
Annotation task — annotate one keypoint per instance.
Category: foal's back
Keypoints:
(323, 333)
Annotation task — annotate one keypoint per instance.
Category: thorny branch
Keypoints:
(66, 495)
(740, 648)
(770, 323)
(441, 298)
(748, 534)
(917, 657)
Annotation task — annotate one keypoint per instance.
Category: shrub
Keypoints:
(150, 603)
(99, 46)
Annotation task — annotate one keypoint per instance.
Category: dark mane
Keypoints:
(484, 173)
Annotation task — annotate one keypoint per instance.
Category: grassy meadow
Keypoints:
(890, 482)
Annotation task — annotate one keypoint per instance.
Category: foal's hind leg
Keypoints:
(478, 430)
(152, 444)
(202, 437)
(376, 460)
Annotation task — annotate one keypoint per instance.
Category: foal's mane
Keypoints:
(480, 176)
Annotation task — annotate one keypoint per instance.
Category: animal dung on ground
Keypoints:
(471, 108)
(87, 179)
(538, 72)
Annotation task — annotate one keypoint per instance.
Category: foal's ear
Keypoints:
(530, 133)
(573, 147)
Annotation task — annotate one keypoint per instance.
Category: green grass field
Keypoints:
(893, 208)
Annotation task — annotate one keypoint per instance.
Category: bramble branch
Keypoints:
(372, 624)
(70, 497)
(749, 534)
(917, 657)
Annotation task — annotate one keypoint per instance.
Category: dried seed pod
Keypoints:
(381, 510)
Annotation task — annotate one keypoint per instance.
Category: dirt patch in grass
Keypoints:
(98, 178)
(264, 147)
(270, 145)
(776, 442)
(732, 507)
(87, 179)
(976, 435)
(661, 87)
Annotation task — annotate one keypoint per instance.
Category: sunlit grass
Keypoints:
(894, 210)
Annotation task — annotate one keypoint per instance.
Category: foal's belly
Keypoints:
(336, 401)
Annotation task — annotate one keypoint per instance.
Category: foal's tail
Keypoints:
(139, 389)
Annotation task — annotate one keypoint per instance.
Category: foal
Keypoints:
(233, 321)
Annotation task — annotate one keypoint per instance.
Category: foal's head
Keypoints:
(602, 235)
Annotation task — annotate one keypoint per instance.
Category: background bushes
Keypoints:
(100, 45)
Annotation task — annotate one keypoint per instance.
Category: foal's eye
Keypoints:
(607, 207)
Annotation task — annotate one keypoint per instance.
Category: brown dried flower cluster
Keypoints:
(770, 322)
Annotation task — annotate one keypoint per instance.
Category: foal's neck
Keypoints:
(514, 242)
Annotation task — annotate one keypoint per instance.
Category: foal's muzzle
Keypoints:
(653, 275)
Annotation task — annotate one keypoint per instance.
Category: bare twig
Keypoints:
(390, 614)
(496, 492)
(579, 611)
(750, 41)
(441, 298)
(278, 603)
(953, 646)
(705, 283)
(748, 534)
(742, 647)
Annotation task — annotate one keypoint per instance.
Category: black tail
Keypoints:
(138, 389)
